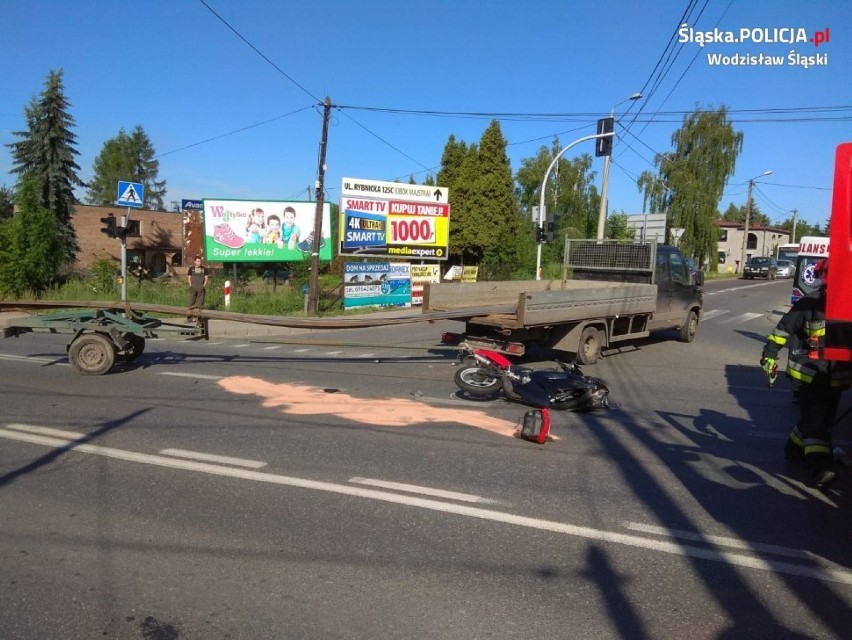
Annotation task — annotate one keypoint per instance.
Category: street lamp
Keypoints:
(748, 216)
(605, 183)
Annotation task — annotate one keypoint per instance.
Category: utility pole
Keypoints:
(313, 290)
(795, 217)
(748, 217)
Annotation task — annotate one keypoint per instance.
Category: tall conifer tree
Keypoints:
(46, 152)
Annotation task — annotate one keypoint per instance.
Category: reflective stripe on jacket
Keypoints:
(802, 331)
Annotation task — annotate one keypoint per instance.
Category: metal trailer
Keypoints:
(102, 337)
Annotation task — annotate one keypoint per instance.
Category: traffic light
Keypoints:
(539, 234)
(109, 226)
(603, 146)
(550, 232)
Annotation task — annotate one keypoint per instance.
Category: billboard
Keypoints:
(394, 220)
(263, 230)
(376, 284)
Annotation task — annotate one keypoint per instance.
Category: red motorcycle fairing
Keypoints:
(497, 358)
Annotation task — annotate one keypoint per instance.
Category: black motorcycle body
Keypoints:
(487, 373)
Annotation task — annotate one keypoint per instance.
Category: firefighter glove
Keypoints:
(770, 368)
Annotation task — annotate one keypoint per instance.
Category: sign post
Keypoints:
(130, 194)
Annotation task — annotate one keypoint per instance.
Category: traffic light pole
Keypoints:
(124, 220)
(541, 207)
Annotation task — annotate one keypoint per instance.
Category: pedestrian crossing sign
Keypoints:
(130, 194)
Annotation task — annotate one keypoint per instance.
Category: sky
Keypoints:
(230, 92)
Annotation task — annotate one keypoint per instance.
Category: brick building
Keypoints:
(155, 240)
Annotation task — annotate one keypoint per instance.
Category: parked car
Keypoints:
(786, 269)
(761, 267)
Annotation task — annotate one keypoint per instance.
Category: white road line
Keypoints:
(333, 353)
(209, 457)
(200, 376)
(413, 488)
(47, 431)
(725, 541)
(745, 317)
(34, 359)
(241, 345)
(300, 350)
(272, 348)
(366, 355)
(713, 313)
(677, 549)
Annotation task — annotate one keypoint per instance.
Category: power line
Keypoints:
(230, 133)
(258, 51)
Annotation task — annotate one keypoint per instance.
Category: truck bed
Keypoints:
(529, 303)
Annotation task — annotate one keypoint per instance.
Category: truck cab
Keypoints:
(678, 291)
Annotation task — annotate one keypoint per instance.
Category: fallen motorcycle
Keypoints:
(486, 373)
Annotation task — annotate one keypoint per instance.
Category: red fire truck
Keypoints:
(838, 329)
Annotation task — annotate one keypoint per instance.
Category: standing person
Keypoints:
(198, 277)
(819, 381)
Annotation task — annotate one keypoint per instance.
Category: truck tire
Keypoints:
(92, 354)
(136, 345)
(478, 381)
(589, 349)
(689, 328)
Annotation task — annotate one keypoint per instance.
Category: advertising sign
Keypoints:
(395, 220)
(191, 205)
(377, 284)
(263, 231)
(420, 275)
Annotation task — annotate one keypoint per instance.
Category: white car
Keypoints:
(786, 269)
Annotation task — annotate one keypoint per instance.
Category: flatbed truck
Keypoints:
(611, 292)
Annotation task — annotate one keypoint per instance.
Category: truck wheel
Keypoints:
(136, 345)
(478, 381)
(689, 328)
(590, 346)
(92, 354)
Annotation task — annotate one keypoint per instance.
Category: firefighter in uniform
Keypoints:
(820, 382)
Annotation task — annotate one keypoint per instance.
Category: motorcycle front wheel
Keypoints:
(478, 381)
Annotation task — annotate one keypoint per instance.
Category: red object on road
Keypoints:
(536, 426)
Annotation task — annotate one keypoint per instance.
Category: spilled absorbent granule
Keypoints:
(296, 399)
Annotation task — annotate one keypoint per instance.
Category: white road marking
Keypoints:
(745, 317)
(333, 353)
(200, 376)
(413, 488)
(209, 457)
(366, 355)
(300, 350)
(724, 541)
(713, 313)
(272, 348)
(817, 573)
(241, 345)
(34, 359)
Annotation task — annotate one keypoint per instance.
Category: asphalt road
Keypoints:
(334, 486)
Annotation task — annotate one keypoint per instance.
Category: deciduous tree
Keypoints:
(691, 178)
(127, 157)
(30, 245)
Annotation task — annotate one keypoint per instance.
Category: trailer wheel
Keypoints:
(136, 345)
(689, 328)
(590, 346)
(92, 354)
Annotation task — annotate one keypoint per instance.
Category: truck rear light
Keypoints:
(515, 348)
(448, 337)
